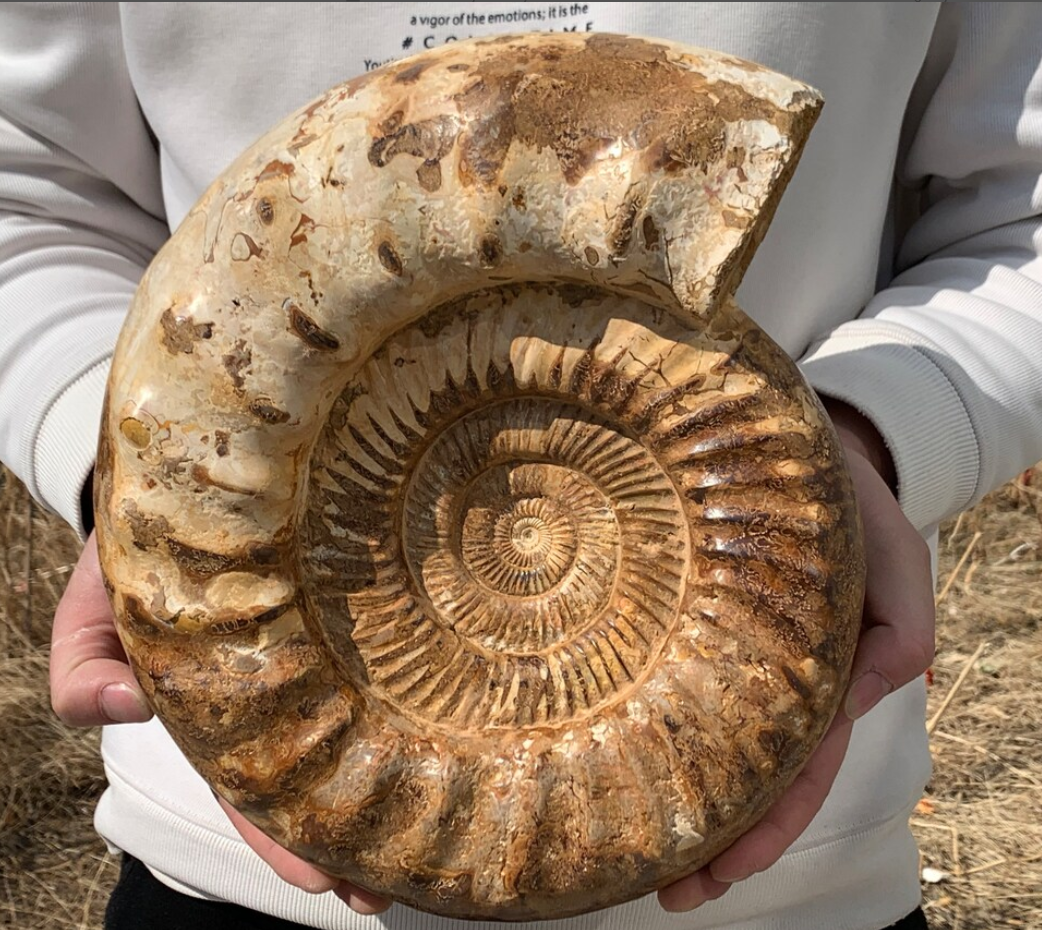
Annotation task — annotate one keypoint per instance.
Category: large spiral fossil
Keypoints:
(462, 530)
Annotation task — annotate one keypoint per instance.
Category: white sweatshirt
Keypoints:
(917, 301)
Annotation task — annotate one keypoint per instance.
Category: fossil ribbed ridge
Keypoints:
(459, 526)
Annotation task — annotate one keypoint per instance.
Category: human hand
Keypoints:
(92, 685)
(91, 682)
(896, 646)
(296, 871)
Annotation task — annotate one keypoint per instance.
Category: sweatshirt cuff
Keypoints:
(64, 452)
(882, 373)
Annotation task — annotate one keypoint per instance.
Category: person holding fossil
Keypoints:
(914, 314)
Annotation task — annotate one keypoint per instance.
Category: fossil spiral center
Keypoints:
(515, 537)
(528, 536)
(516, 554)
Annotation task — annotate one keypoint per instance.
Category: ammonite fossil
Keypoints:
(462, 530)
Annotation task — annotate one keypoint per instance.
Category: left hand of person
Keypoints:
(896, 646)
(296, 871)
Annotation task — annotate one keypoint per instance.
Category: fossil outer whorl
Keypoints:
(460, 528)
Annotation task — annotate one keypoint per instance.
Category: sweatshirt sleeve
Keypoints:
(947, 360)
(81, 215)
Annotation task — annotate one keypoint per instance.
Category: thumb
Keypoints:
(897, 637)
(91, 682)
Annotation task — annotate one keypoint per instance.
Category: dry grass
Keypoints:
(54, 871)
(981, 821)
(980, 825)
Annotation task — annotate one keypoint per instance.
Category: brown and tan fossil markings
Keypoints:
(461, 529)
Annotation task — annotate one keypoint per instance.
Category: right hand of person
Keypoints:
(92, 685)
(896, 647)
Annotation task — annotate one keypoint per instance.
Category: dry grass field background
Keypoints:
(979, 825)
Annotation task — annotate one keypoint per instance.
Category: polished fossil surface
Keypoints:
(461, 529)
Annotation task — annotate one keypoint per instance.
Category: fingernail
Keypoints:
(691, 892)
(362, 902)
(318, 883)
(124, 704)
(865, 693)
(729, 877)
(366, 907)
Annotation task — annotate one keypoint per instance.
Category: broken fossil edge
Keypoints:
(363, 597)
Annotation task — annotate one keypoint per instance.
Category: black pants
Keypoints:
(140, 902)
